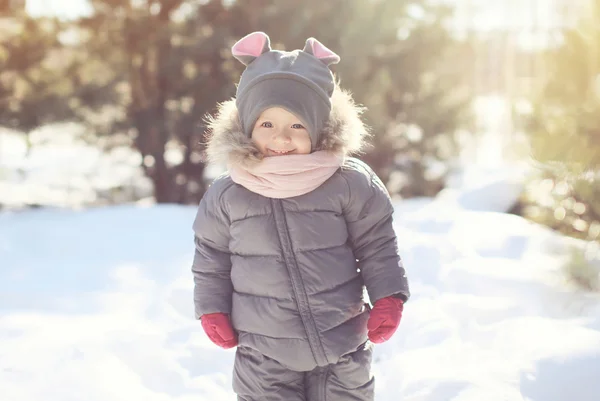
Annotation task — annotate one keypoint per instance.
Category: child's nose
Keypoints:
(282, 136)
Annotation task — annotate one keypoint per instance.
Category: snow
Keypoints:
(97, 305)
(62, 170)
(492, 189)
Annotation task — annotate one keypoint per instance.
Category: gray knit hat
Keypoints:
(299, 81)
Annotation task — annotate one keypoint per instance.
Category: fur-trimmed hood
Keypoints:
(344, 132)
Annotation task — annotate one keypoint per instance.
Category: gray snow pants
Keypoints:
(259, 378)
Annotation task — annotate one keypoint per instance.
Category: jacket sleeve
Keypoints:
(211, 267)
(369, 217)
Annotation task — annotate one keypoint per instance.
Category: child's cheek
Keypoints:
(258, 140)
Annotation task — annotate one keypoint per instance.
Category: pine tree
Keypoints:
(166, 69)
(565, 133)
(32, 71)
(137, 73)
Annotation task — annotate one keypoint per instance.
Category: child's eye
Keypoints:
(297, 126)
(267, 124)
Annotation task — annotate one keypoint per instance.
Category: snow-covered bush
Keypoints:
(583, 268)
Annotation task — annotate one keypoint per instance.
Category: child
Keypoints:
(287, 240)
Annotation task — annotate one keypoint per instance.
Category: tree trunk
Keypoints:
(150, 87)
(150, 143)
(165, 190)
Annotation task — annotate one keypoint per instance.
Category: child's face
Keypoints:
(278, 132)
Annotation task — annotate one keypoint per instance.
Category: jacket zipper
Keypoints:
(297, 286)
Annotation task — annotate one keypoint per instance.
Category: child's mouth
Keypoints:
(279, 152)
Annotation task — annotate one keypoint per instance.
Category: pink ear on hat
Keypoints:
(320, 51)
(248, 48)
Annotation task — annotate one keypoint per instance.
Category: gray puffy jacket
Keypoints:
(292, 272)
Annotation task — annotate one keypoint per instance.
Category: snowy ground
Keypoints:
(97, 305)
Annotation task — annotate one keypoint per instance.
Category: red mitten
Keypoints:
(384, 319)
(218, 328)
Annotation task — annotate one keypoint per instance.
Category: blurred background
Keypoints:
(103, 102)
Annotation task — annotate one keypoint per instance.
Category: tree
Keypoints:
(32, 71)
(166, 71)
(145, 73)
(136, 73)
(564, 130)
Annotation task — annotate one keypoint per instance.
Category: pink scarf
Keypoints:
(287, 176)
